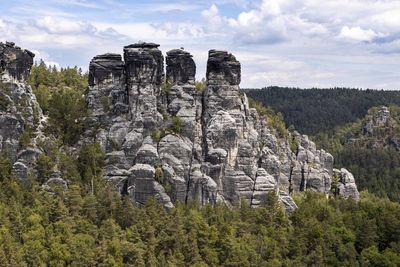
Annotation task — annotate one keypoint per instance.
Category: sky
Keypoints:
(295, 43)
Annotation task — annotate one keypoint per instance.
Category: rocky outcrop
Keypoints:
(165, 139)
(20, 113)
(346, 184)
(379, 119)
(15, 63)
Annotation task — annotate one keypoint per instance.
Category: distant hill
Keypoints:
(312, 111)
(370, 149)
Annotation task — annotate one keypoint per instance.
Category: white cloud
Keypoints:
(261, 25)
(388, 20)
(284, 42)
(358, 34)
(58, 25)
(40, 55)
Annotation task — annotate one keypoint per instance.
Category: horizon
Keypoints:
(299, 44)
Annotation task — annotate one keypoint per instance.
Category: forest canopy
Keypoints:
(311, 111)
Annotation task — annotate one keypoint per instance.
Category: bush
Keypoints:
(91, 161)
(67, 110)
(25, 138)
(5, 167)
(45, 167)
(200, 85)
(105, 102)
(166, 87)
(177, 125)
(294, 144)
(4, 103)
(158, 134)
(43, 95)
(159, 175)
(274, 119)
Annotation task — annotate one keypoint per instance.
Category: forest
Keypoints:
(311, 111)
(80, 227)
(90, 224)
(373, 158)
(335, 119)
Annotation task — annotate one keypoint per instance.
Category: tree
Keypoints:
(91, 161)
(66, 113)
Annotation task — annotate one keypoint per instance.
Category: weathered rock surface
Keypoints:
(167, 140)
(347, 186)
(380, 119)
(15, 62)
(20, 114)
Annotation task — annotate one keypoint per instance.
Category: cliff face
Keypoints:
(165, 139)
(20, 113)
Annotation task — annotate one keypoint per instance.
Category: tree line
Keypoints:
(311, 111)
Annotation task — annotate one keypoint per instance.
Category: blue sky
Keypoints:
(299, 43)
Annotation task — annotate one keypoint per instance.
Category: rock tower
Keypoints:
(166, 139)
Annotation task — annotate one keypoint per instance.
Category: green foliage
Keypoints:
(313, 111)
(52, 77)
(92, 225)
(176, 125)
(43, 95)
(4, 102)
(294, 144)
(372, 158)
(200, 85)
(159, 175)
(77, 228)
(5, 167)
(105, 102)
(25, 138)
(274, 120)
(158, 134)
(44, 166)
(60, 95)
(66, 113)
(166, 87)
(91, 161)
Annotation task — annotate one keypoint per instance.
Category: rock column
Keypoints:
(107, 95)
(144, 75)
(15, 63)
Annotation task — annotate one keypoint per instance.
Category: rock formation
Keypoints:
(165, 139)
(20, 113)
(380, 119)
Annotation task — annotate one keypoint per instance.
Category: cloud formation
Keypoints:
(279, 42)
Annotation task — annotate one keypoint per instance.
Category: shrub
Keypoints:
(43, 95)
(66, 112)
(274, 119)
(157, 134)
(159, 174)
(177, 125)
(166, 87)
(45, 167)
(294, 144)
(200, 85)
(4, 103)
(5, 167)
(25, 138)
(105, 102)
(91, 161)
